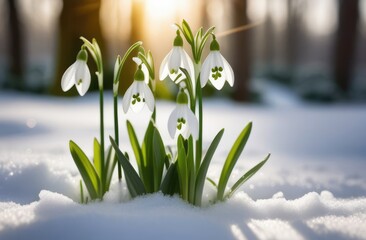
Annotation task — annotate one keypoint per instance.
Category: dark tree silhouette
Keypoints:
(78, 18)
(241, 54)
(16, 48)
(345, 43)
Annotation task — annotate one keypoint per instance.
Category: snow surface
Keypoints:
(313, 186)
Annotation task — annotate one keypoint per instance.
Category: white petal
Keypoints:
(172, 122)
(127, 97)
(206, 70)
(175, 59)
(137, 60)
(219, 82)
(146, 74)
(228, 71)
(149, 97)
(83, 73)
(164, 71)
(139, 89)
(68, 78)
(192, 123)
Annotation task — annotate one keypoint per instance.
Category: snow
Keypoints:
(313, 186)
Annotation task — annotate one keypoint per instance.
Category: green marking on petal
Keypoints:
(80, 81)
(216, 72)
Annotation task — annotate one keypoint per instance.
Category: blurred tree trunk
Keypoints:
(241, 53)
(16, 51)
(291, 38)
(345, 43)
(136, 34)
(269, 40)
(78, 18)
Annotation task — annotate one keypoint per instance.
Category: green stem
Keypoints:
(197, 68)
(200, 119)
(116, 132)
(101, 100)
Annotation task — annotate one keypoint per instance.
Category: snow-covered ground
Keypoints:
(313, 186)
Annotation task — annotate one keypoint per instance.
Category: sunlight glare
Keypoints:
(320, 18)
(257, 10)
(160, 8)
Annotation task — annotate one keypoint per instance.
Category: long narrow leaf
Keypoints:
(134, 183)
(182, 169)
(86, 169)
(191, 171)
(136, 148)
(197, 40)
(246, 176)
(231, 160)
(170, 183)
(159, 158)
(97, 161)
(202, 172)
(204, 39)
(213, 183)
(148, 161)
(187, 32)
(111, 162)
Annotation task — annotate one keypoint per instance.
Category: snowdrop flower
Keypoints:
(138, 94)
(182, 120)
(77, 74)
(215, 68)
(176, 58)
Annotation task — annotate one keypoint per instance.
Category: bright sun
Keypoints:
(161, 8)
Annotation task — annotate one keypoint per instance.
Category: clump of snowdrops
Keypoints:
(184, 171)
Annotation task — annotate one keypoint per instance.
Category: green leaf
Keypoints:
(159, 158)
(97, 161)
(182, 169)
(203, 42)
(187, 32)
(246, 177)
(136, 148)
(81, 192)
(150, 60)
(210, 180)
(197, 40)
(110, 165)
(231, 160)
(191, 170)
(148, 154)
(202, 172)
(86, 169)
(134, 183)
(170, 183)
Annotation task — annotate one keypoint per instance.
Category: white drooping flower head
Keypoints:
(215, 68)
(138, 94)
(182, 120)
(175, 59)
(77, 74)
